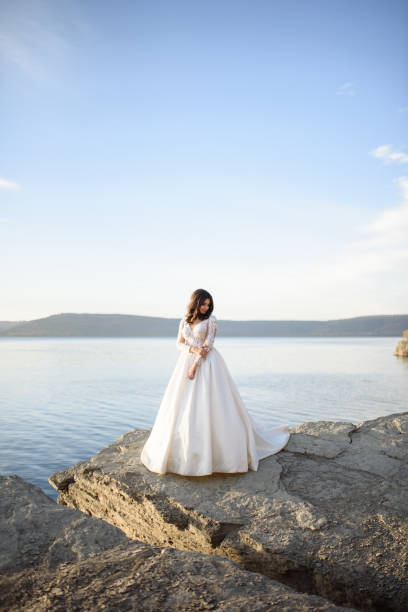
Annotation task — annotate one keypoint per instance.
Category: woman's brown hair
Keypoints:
(198, 298)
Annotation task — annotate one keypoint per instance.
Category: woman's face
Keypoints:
(205, 306)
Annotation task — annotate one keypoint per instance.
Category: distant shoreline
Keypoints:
(72, 325)
(2, 337)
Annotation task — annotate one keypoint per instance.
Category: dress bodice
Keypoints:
(201, 333)
(195, 335)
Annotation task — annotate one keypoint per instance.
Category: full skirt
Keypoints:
(202, 426)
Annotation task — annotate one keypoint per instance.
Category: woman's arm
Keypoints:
(181, 342)
(211, 331)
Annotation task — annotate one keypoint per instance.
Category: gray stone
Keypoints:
(327, 515)
(140, 577)
(34, 529)
(57, 558)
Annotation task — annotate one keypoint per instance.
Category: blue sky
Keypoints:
(257, 149)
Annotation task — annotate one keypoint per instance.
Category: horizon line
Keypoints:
(231, 320)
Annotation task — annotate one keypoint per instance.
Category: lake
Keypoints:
(63, 399)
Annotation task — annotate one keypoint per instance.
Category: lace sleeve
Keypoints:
(212, 330)
(180, 342)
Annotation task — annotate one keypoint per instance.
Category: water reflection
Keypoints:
(61, 400)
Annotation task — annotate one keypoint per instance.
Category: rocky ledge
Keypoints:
(57, 558)
(325, 516)
(401, 350)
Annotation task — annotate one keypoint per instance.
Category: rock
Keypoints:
(405, 334)
(98, 568)
(35, 530)
(401, 350)
(327, 515)
(142, 577)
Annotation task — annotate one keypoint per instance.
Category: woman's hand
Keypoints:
(202, 351)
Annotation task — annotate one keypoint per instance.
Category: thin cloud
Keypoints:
(40, 41)
(391, 226)
(382, 249)
(388, 230)
(344, 280)
(389, 156)
(21, 54)
(347, 89)
(5, 184)
(34, 52)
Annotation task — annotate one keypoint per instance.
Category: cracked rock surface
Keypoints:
(35, 530)
(56, 558)
(327, 515)
(401, 350)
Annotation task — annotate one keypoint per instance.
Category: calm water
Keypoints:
(61, 400)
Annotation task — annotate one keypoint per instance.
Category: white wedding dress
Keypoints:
(202, 425)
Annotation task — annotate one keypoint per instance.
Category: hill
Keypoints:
(125, 326)
(4, 325)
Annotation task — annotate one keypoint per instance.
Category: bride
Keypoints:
(202, 425)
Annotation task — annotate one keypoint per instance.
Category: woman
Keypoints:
(202, 425)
